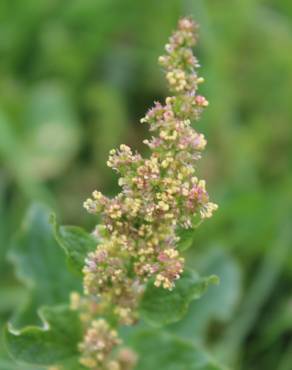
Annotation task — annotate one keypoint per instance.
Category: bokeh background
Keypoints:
(75, 78)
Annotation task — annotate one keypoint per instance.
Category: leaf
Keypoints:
(9, 364)
(227, 296)
(6, 362)
(166, 352)
(11, 295)
(40, 265)
(160, 306)
(219, 303)
(186, 239)
(186, 236)
(55, 343)
(76, 243)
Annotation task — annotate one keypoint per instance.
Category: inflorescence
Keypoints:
(137, 239)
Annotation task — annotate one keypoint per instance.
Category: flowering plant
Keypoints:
(132, 264)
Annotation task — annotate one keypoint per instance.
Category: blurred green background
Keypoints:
(75, 78)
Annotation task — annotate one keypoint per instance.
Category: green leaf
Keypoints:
(8, 364)
(219, 303)
(11, 296)
(76, 243)
(55, 343)
(40, 265)
(228, 294)
(186, 238)
(160, 306)
(166, 352)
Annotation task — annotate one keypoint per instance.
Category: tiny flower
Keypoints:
(202, 101)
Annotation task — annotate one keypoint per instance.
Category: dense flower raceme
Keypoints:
(137, 238)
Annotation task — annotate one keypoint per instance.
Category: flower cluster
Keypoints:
(137, 239)
(97, 346)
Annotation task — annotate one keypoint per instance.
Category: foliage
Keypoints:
(173, 354)
(94, 63)
(76, 243)
(40, 265)
(159, 306)
(54, 343)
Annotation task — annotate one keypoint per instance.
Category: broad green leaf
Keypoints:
(227, 296)
(160, 306)
(11, 296)
(6, 361)
(75, 242)
(218, 303)
(55, 343)
(8, 364)
(158, 350)
(40, 265)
